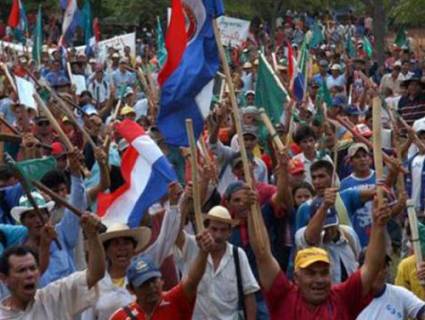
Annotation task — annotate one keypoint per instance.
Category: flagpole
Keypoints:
(195, 181)
(246, 167)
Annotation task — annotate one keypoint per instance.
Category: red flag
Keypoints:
(96, 29)
(13, 21)
(290, 61)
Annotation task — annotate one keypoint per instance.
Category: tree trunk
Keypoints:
(379, 29)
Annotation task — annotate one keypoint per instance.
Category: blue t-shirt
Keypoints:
(362, 218)
(350, 198)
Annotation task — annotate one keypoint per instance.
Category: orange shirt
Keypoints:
(174, 305)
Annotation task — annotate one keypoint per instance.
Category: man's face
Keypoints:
(220, 232)
(250, 99)
(307, 145)
(413, 88)
(23, 277)
(249, 119)
(33, 222)
(95, 123)
(250, 141)
(361, 161)
(43, 127)
(321, 180)
(149, 292)
(238, 204)
(120, 251)
(61, 189)
(405, 67)
(314, 282)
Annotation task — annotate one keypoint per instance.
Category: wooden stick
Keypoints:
(63, 202)
(53, 122)
(377, 147)
(235, 110)
(195, 181)
(413, 222)
(271, 130)
(9, 76)
(401, 186)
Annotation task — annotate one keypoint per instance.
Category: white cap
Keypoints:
(336, 66)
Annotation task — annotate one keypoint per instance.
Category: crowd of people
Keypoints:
(310, 238)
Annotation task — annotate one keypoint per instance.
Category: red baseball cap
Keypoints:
(296, 166)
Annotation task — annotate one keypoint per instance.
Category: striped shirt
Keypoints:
(412, 109)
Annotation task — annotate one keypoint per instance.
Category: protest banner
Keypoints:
(233, 31)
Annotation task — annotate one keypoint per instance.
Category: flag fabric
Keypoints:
(349, 46)
(317, 36)
(291, 60)
(38, 38)
(269, 92)
(18, 20)
(35, 169)
(146, 172)
(187, 78)
(401, 38)
(87, 21)
(367, 46)
(300, 73)
(161, 51)
(70, 21)
(324, 94)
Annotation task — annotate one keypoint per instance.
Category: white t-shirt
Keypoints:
(395, 303)
(62, 299)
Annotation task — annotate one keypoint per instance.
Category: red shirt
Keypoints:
(174, 305)
(345, 301)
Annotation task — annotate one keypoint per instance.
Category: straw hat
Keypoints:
(221, 214)
(141, 235)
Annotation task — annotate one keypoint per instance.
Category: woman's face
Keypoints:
(302, 195)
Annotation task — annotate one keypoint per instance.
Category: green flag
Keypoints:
(35, 169)
(401, 38)
(324, 94)
(161, 50)
(317, 37)
(367, 46)
(349, 46)
(38, 38)
(87, 22)
(269, 93)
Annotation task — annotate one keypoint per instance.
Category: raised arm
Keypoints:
(191, 281)
(268, 267)
(375, 254)
(315, 225)
(283, 196)
(105, 180)
(96, 255)
(170, 227)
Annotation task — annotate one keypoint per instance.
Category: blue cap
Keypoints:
(352, 110)
(141, 270)
(339, 101)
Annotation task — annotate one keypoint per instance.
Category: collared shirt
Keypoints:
(307, 164)
(388, 81)
(217, 296)
(412, 108)
(62, 299)
(345, 250)
(99, 90)
(123, 79)
(174, 305)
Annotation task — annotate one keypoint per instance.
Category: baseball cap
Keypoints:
(57, 149)
(352, 150)
(250, 130)
(141, 270)
(363, 130)
(323, 63)
(306, 257)
(127, 110)
(248, 92)
(296, 166)
(249, 109)
(352, 110)
(336, 66)
(339, 101)
(419, 125)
